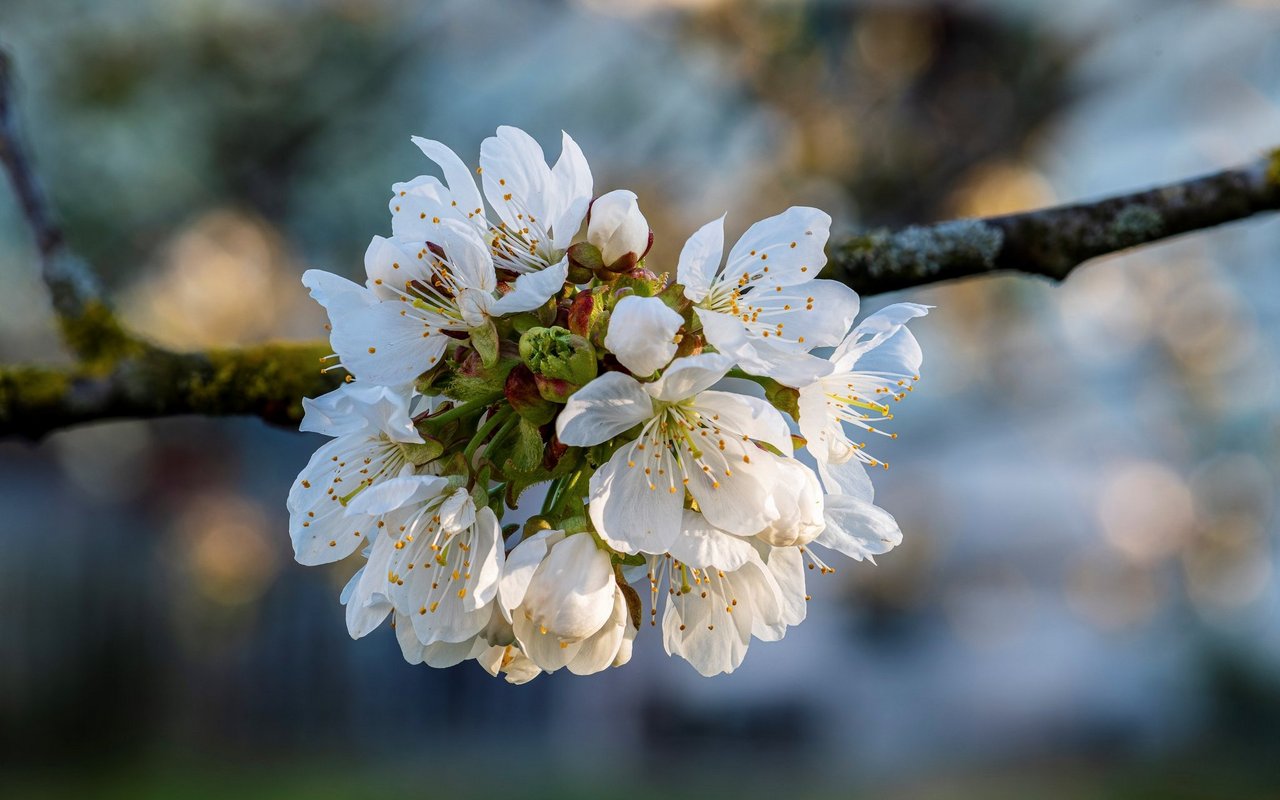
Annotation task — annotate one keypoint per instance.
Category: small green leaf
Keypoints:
(527, 455)
(485, 340)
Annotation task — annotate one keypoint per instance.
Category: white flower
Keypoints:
(720, 593)
(764, 307)
(370, 423)
(618, 229)
(691, 438)
(798, 497)
(537, 209)
(437, 563)
(876, 363)
(394, 330)
(566, 608)
(642, 334)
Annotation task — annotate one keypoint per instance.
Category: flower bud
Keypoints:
(562, 361)
(618, 229)
(522, 393)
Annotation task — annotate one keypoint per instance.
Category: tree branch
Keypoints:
(1054, 241)
(267, 381)
(122, 376)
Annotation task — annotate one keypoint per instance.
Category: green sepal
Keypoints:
(630, 559)
(783, 398)
(484, 339)
(425, 453)
(527, 453)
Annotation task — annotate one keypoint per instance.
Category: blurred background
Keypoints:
(1086, 602)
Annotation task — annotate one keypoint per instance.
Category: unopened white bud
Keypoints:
(618, 229)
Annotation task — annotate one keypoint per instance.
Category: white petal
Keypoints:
(391, 265)
(812, 314)
(700, 544)
(359, 408)
(746, 416)
(600, 649)
(604, 408)
(417, 204)
(367, 603)
(689, 375)
(544, 648)
(572, 179)
(875, 329)
(785, 569)
(758, 356)
(444, 654)
(571, 593)
(488, 559)
(847, 478)
(531, 290)
(515, 176)
(797, 497)
(700, 258)
(631, 513)
(336, 294)
(791, 244)
(457, 512)
(858, 529)
(617, 226)
(319, 528)
(462, 187)
(642, 334)
(389, 343)
(521, 563)
(470, 260)
(393, 494)
(734, 494)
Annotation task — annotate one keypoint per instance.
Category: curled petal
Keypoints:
(642, 333)
(604, 408)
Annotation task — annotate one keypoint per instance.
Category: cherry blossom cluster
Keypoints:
(540, 431)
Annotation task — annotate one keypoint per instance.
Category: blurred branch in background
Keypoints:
(1054, 241)
(121, 376)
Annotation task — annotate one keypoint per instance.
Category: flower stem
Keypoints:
(495, 419)
(460, 411)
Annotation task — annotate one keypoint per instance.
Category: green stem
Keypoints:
(552, 497)
(568, 492)
(503, 432)
(464, 410)
(495, 419)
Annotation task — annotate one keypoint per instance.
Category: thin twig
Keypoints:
(72, 287)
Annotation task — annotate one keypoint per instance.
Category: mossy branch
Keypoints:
(267, 381)
(119, 375)
(1052, 242)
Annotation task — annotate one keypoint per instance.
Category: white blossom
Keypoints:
(566, 609)
(692, 438)
(536, 209)
(765, 307)
(370, 424)
(875, 364)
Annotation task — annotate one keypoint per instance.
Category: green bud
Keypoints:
(536, 525)
(562, 360)
(587, 316)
